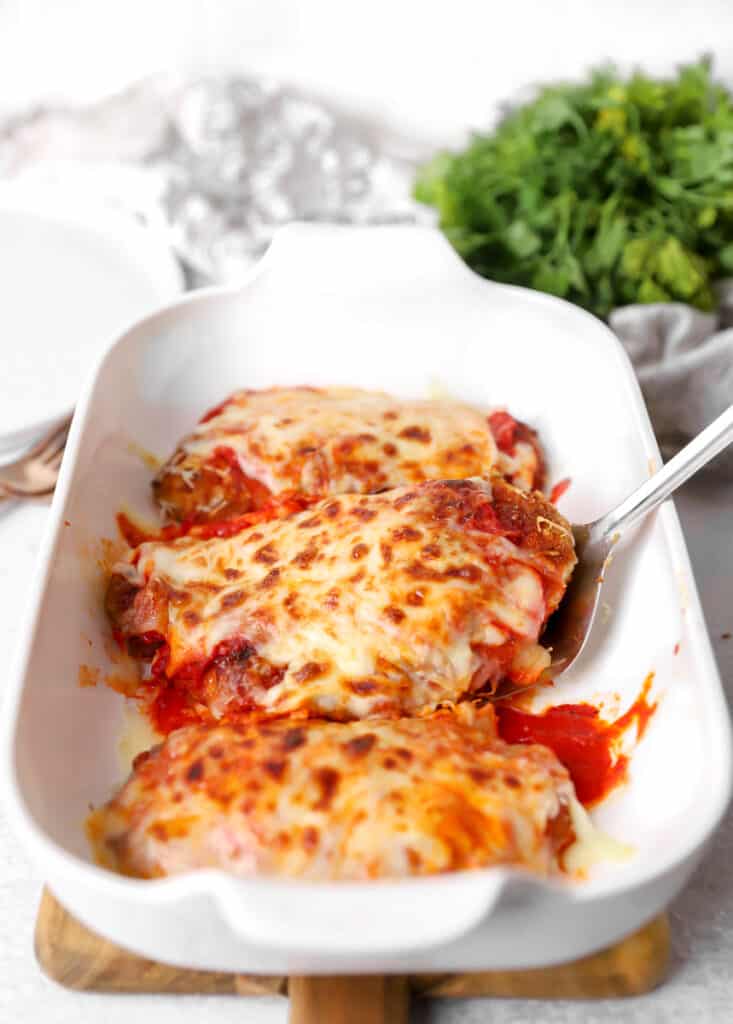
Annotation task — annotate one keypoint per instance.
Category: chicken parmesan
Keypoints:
(373, 605)
(322, 800)
(258, 444)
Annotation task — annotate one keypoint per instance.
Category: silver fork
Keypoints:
(35, 473)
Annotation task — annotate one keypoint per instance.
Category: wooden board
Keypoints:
(77, 958)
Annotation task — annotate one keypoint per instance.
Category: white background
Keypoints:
(431, 70)
(431, 66)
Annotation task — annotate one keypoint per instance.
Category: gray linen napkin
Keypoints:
(684, 361)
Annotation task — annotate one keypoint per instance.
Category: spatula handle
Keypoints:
(709, 443)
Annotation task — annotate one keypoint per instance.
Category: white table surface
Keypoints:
(699, 987)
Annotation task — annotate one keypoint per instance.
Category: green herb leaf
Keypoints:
(605, 192)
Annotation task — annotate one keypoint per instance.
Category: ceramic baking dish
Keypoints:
(392, 308)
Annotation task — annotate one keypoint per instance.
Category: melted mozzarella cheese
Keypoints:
(136, 735)
(345, 439)
(326, 800)
(591, 846)
(371, 604)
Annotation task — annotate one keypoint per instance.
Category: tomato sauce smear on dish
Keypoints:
(560, 488)
(584, 742)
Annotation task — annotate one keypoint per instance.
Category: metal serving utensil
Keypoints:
(568, 629)
(35, 473)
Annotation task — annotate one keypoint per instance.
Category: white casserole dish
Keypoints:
(391, 308)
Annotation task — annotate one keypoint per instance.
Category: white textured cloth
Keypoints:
(684, 361)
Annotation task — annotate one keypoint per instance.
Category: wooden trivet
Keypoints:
(79, 959)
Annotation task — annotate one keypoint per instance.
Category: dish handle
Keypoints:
(349, 919)
(343, 259)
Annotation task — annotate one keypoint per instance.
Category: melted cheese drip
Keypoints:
(437, 391)
(592, 846)
(146, 457)
(136, 735)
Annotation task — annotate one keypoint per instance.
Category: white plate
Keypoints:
(388, 308)
(74, 274)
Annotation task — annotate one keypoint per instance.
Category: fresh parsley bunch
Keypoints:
(606, 193)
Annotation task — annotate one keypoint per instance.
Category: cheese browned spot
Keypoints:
(331, 441)
(367, 625)
(345, 803)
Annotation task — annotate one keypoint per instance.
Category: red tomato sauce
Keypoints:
(282, 505)
(216, 410)
(246, 489)
(131, 532)
(559, 489)
(172, 709)
(587, 745)
(485, 519)
(504, 428)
